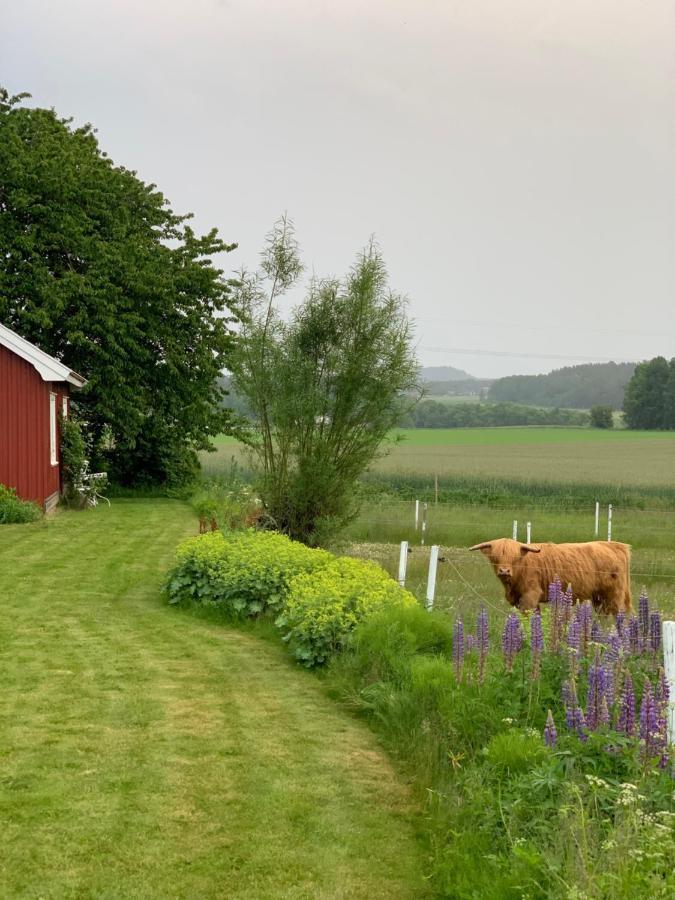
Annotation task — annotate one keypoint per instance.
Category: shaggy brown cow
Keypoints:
(599, 570)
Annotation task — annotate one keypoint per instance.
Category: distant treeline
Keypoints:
(432, 414)
(457, 388)
(575, 387)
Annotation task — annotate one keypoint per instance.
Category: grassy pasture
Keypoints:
(149, 753)
(466, 580)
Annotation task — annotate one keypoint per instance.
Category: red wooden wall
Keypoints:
(24, 429)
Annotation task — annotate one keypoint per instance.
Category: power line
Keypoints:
(511, 355)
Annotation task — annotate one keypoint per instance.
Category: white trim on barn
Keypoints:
(53, 449)
(47, 367)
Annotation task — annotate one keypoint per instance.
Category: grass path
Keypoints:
(148, 754)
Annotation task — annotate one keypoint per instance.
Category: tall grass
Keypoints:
(503, 492)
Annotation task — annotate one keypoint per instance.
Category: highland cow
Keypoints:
(597, 570)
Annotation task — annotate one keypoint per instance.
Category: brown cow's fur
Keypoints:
(597, 570)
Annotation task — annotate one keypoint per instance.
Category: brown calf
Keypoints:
(597, 570)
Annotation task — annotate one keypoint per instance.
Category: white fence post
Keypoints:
(597, 519)
(609, 522)
(402, 563)
(431, 580)
(515, 529)
(529, 532)
(669, 667)
(417, 513)
(425, 507)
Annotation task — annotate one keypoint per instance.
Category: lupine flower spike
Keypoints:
(512, 640)
(626, 722)
(643, 614)
(458, 648)
(483, 642)
(550, 734)
(555, 601)
(536, 643)
(597, 686)
(655, 631)
(661, 697)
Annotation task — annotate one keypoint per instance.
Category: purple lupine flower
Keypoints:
(458, 647)
(608, 678)
(536, 642)
(574, 644)
(550, 734)
(584, 616)
(470, 643)
(555, 600)
(633, 635)
(626, 722)
(603, 715)
(620, 623)
(643, 613)
(574, 714)
(483, 642)
(567, 605)
(512, 640)
(661, 698)
(598, 636)
(649, 726)
(613, 651)
(575, 721)
(596, 691)
(655, 631)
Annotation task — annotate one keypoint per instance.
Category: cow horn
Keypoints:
(530, 548)
(484, 546)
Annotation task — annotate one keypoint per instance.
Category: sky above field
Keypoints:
(514, 160)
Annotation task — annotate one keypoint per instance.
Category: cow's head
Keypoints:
(505, 554)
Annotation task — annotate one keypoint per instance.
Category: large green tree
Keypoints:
(645, 400)
(97, 269)
(323, 387)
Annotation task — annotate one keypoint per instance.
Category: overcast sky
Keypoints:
(515, 160)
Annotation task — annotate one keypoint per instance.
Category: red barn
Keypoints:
(34, 389)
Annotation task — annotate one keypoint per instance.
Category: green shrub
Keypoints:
(16, 511)
(322, 608)
(245, 572)
(228, 504)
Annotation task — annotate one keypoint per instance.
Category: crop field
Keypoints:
(551, 454)
(558, 455)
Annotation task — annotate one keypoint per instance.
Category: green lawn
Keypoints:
(147, 753)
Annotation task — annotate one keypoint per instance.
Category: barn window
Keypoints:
(64, 407)
(52, 430)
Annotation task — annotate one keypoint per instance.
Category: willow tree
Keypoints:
(325, 386)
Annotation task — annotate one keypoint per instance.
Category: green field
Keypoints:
(561, 455)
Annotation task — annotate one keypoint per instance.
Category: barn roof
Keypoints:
(47, 367)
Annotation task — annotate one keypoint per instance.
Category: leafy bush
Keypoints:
(226, 504)
(245, 572)
(81, 487)
(602, 417)
(16, 511)
(323, 607)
